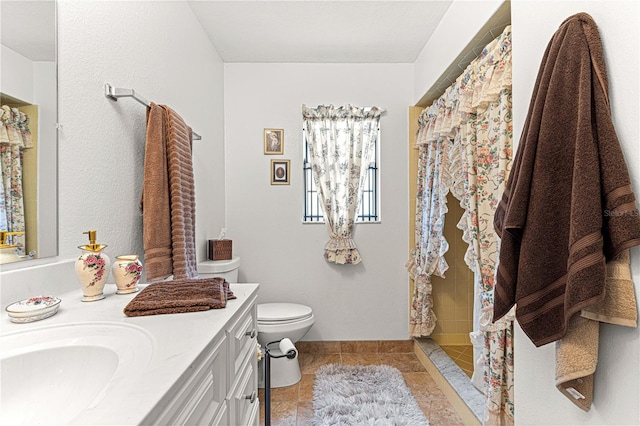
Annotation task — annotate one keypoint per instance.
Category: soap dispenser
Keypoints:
(92, 268)
(8, 251)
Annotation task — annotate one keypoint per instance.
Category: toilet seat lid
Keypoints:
(282, 311)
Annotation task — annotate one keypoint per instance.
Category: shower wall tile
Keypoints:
(453, 295)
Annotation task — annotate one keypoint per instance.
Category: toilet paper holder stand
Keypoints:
(290, 354)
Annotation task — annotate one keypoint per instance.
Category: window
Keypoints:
(369, 206)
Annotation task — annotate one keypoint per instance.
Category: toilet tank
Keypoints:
(228, 269)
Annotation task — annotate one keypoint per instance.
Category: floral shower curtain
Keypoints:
(427, 258)
(14, 137)
(341, 145)
(472, 125)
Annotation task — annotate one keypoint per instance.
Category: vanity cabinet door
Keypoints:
(201, 400)
(244, 403)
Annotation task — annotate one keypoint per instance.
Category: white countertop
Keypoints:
(178, 339)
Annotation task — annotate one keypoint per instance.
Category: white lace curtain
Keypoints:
(465, 142)
(341, 145)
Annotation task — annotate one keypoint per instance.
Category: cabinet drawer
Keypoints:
(242, 341)
(244, 401)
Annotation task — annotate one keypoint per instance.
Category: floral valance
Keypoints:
(329, 112)
(480, 84)
(14, 127)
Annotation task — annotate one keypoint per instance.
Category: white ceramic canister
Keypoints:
(127, 270)
(92, 269)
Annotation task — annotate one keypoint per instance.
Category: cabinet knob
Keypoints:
(251, 397)
(251, 333)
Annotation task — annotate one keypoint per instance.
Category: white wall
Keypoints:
(17, 75)
(617, 381)
(458, 27)
(160, 50)
(368, 301)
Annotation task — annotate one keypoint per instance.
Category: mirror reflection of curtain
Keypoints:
(14, 138)
(341, 146)
(465, 142)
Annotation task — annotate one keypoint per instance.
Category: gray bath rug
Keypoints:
(363, 395)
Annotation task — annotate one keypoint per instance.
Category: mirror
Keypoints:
(28, 133)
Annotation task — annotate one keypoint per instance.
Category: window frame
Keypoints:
(371, 185)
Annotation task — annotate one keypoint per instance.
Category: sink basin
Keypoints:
(51, 375)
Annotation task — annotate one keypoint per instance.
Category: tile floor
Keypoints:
(293, 405)
(461, 355)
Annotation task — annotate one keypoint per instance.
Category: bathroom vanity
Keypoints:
(188, 368)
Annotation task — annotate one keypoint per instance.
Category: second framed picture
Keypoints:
(273, 141)
(280, 172)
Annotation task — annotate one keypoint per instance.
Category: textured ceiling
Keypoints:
(319, 31)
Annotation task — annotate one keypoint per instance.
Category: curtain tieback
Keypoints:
(340, 243)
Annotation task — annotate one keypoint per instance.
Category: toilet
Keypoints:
(227, 269)
(275, 322)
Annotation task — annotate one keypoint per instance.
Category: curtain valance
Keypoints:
(480, 84)
(14, 127)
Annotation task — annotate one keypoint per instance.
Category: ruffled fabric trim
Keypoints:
(324, 112)
(342, 251)
(422, 318)
(14, 127)
(479, 85)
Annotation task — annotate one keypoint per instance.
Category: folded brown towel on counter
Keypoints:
(228, 291)
(185, 295)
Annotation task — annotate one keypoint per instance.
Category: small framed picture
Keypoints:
(273, 141)
(280, 172)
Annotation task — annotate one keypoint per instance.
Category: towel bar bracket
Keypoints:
(114, 93)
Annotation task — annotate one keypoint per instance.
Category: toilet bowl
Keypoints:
(275, 322)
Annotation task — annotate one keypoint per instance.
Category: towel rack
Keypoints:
(114, 93)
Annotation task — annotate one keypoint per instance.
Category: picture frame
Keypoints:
(273, 141)
(280, 170)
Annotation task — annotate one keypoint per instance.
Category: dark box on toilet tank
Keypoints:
(220, 249)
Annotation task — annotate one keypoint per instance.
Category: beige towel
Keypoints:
(186, 295)
(619, 304)
(577, 352)
(168, 197)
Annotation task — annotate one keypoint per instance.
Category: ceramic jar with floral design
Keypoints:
(92, 269)
(126, 271)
